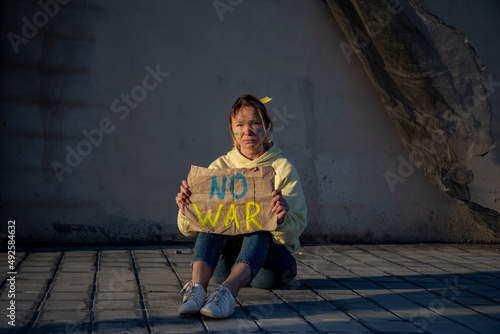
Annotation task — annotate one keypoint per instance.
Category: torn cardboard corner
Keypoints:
(231, 201)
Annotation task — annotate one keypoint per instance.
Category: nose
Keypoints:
(247, 131)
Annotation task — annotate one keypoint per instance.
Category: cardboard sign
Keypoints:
(231, 201)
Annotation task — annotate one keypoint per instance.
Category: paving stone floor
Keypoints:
(414, 288)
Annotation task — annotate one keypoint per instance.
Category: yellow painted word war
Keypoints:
(231, 215)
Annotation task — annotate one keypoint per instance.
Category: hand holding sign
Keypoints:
(182, 198)
(230, 201)
(280, 206)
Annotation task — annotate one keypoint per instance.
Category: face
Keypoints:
(248, 129)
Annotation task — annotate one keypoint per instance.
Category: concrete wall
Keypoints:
(89, 67)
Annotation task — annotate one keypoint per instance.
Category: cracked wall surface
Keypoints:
(429, 78)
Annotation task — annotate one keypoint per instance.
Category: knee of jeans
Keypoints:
(273, 280)
(266, 283)
(260, 234)
(288, 276)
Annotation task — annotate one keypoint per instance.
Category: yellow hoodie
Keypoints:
(287, 179)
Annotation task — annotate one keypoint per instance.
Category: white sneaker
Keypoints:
(220, 304)
(193, 300)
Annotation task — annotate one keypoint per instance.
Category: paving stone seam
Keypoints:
(297, 312)
(453, 259)
(460, 287)
(250, 315)
(416, 260)
(343, 309)
(457, 264)
(204, 325)
(18, 264)
(466, 289)
(425, 288)
(423, 274)
(395, 292)
(141, 295)
(495, 253)
(466, 250)
(171, 266)
(93, 294)
(50, 282)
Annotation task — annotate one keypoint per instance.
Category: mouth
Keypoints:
(249, 140)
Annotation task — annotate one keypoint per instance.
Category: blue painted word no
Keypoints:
(220, 191)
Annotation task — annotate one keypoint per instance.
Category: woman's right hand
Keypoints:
(182, 198)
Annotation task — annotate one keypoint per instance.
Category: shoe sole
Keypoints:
(188, 312)
(209, 313)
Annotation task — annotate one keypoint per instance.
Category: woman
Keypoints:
(262, 259)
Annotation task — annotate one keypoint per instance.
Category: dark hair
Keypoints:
(248, 100)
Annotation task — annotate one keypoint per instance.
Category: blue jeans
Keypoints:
(271, 264)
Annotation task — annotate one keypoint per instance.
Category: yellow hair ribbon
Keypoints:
(266, 99)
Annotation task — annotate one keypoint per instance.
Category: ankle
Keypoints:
(205, 286)
(234, 290)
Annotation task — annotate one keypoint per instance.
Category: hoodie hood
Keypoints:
(266, 159)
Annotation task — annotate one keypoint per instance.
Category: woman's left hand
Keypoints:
(280, 205)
